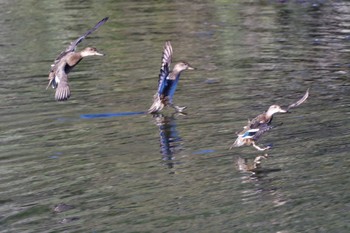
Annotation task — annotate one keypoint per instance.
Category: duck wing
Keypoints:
(164, 69)
(302, 100)
(59, 81)
(249, 133)
(74, 44)
(255, 133)
(263, 128)
(62, 90)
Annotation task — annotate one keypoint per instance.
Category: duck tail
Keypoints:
(157, 105)
(239, 142)
(52, 81)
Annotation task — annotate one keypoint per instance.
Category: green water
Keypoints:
(173, 173)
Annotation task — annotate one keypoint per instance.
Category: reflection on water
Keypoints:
(262, 189)
(254, 173)
(169, 139)
(254, 166)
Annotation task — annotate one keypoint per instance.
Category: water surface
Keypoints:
(96, 163)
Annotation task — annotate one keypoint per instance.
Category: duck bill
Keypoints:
(190, 68)
(99, 54)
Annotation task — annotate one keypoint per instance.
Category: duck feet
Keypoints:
(261, 149)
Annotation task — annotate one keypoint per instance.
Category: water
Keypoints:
(98, 164)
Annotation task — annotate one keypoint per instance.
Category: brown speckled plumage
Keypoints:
(66, 61)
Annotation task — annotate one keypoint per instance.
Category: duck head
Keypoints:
(90, 51)
(274, 109)
(181, 66)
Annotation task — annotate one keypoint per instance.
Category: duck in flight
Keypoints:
(168, 81)
(66, 61)
(261, 124)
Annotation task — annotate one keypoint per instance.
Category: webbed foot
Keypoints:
(261, 149)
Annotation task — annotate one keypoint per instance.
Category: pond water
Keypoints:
(97, 163)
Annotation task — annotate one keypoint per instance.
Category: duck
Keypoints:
(66, 61)
(168, 81)
(261, 124)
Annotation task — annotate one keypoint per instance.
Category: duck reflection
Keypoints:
(169, 139)
(254, 166)
(250, 165)
(258, 186)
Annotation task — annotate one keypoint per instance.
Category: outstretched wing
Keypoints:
(62, 87)
(164, 69)
(302, 100)
(75, 43)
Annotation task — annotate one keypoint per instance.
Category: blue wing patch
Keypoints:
(164, 69)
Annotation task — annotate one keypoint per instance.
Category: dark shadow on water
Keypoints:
(169, 139)
(108, 115)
